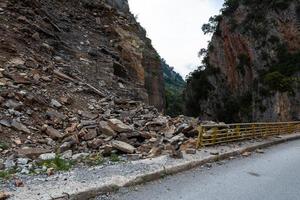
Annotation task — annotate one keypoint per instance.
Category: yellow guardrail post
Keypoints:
(253, 130)
(290, 128)
(200, 137)
(214, 139)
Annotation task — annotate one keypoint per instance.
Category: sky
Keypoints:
(174, 26)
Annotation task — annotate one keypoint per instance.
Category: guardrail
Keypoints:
(218, 134)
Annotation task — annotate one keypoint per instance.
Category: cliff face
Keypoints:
(252, 65)
(99, 42)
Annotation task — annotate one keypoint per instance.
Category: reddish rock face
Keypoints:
(249, 48)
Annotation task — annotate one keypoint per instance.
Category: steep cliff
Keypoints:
(98, 41)
(251, 68)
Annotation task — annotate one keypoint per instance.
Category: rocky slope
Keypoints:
(79, 79)
(251, 68)
(96, 41)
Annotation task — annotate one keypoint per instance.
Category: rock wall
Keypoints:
(97, 41)
(252, 65)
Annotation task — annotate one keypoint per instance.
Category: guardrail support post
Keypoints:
(200, 137)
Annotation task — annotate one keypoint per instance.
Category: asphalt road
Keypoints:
(274, 175)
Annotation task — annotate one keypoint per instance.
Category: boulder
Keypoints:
(123, 146)
(119, 126)
(54, 103)
(106, 129)
(19, 126)
(32, 152)
(52, 133)
(90, 134)
(47, 156)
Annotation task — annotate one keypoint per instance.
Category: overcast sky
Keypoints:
(174, 26)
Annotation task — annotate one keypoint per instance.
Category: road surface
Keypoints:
(274, 175)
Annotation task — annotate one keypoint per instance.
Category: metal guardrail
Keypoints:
(218, 134)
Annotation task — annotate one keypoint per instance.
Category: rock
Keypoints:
(67, 154)
(107, 150)
(176, 138)
(13, 104)
(5, 123)
(66, 100)
(134, 157)
(106, 129)
(19, 126)
(2, 166)
(215, 153)
(9, 163)
(180, 128)
(177, 154)
(246, 154)
(155, 151)
(89, 123)
(25, 171)
(68, 143)
(50, 171)
(189, 144)
(65, 146)
(47, 156)
(51, 132)
(55, 103)
(190, 151)
(91, 134)
(119, 126)
(4, 195)
(55, 116)
(16, 61)
(260, 151)
(22, 161)
(19, 183)
(80, 156)
(87, 115)
(32, 153)
(96, 143)
(123, 146)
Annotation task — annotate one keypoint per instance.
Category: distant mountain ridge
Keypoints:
(174, 86)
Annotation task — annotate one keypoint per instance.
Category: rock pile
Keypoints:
(35, 122)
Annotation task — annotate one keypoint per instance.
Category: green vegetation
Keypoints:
(174, 86)
(94, 159)
(279, 76)
(3, 145)
(114, 158)
(213, 25)
(199, 88)
(58, 164)
(7, 174)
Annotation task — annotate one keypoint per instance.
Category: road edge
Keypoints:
(174, 169)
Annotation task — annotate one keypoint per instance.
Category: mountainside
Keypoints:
(251, 69)
(174, 86)
(97, 41)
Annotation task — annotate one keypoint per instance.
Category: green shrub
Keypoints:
(3, 145)
(279, 82)
(57, 164)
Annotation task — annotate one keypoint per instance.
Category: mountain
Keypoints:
(174, 86)
(251, 68)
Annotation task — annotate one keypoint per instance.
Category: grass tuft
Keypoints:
(114, 158)
(58, 164)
